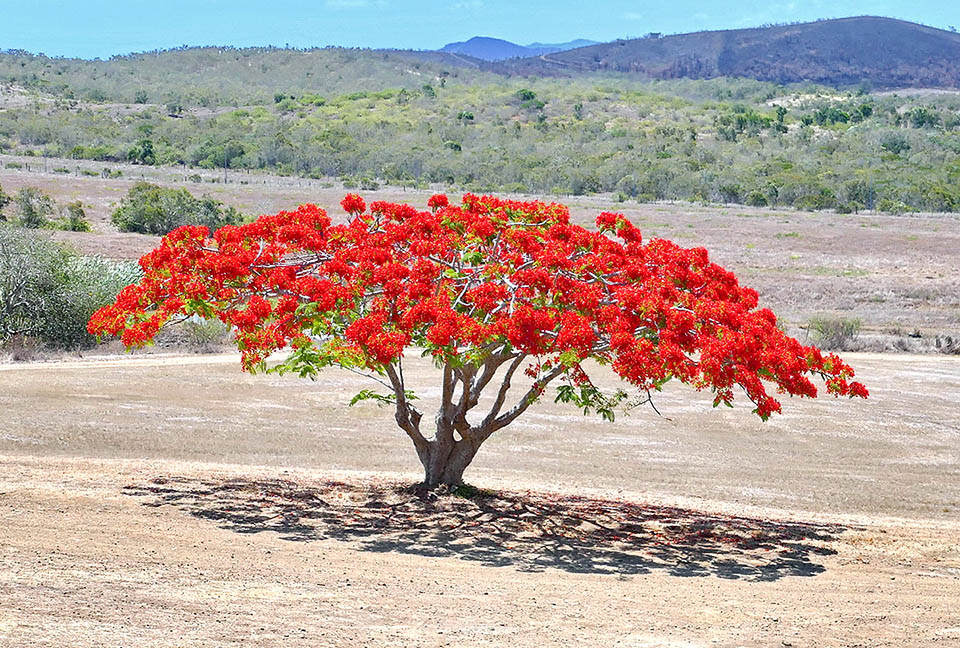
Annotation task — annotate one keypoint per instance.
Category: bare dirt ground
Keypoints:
(167, 501)
(899, 275)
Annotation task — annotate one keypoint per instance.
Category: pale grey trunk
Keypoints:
(445, 462)
(445, 457)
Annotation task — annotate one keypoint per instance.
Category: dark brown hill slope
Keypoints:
(884, 51)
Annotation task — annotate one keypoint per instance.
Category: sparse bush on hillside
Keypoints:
(151, 209)
(47, 292)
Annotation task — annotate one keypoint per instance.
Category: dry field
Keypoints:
(173, 501)
(153, 500)
(900, 275)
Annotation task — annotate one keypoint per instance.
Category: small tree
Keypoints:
(505, 297)
(142, 153)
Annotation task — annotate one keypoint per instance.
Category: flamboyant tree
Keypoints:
(489, 288)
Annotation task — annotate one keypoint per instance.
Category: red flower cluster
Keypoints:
(438, 201)
(487, 273)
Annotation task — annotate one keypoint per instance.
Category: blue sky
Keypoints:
(100, 28)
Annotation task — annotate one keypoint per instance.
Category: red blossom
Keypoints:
(437, 201)
(354, 204)
(488, 273)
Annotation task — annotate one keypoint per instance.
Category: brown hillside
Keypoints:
(884, 51)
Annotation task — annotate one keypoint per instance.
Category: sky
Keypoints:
(101, 28)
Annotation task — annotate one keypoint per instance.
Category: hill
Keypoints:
(488, 49)
(547, 48)
(219, 76)
(497, 49)
(883, 51)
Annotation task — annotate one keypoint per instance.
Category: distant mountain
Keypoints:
(883, 51)
(497, 49)
(550, 48)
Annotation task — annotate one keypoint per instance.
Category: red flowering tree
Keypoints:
(488, 288)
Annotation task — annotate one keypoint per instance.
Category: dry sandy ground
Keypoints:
(150, 501)
(897, 274)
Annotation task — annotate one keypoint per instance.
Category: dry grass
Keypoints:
(887, 271)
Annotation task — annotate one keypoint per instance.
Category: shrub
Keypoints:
(204, 336)
(834, 333)
(890, 206)
(33, 208)
(822, 199)
(151, 209)
(729, 193)
(73, 218)
(844, 208)
(948, 344)
(4, 201)
(895, 143)
(526, 94)
(47, 292)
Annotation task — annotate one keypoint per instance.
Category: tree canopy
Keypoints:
(488, 288)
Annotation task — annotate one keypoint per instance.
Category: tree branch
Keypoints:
(502, 392)
(408, 417)
(535, 390)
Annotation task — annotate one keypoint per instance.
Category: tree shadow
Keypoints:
(526, 531)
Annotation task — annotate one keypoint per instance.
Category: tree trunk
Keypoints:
(445, 463)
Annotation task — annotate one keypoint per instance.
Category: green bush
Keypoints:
(890, 206)
(4, 201)
(206, 336)
(73, 218)
(151, 209)
(756, 199)
(33, 208)
(834, 333)
(48, 292)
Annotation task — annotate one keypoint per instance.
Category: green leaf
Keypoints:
(473, 258)
(367, 394)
